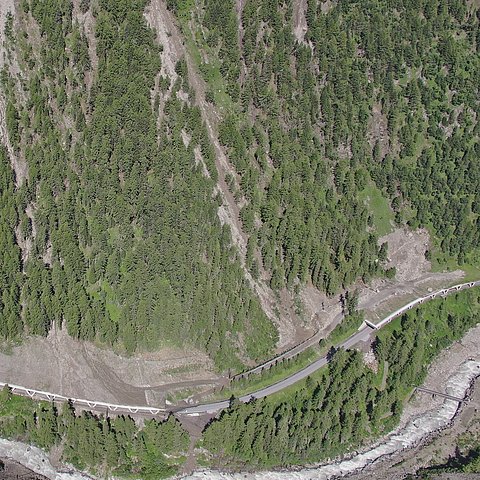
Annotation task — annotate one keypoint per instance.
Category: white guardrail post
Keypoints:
(92, 404)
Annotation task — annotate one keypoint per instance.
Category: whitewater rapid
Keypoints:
(410, 435)
(36, 460)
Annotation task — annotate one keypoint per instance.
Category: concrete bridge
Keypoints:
(92, 405)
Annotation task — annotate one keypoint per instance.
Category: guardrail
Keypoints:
(91, 404)
(222, 404)
(285, 354)
(145, 410)
(278, 358)
(443, 292)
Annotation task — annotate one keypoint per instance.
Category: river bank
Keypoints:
(36, 461)
(10, 470)
(453, 372)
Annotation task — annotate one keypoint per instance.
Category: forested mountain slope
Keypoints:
(366, 91)
(121, 238)
(112, 219)
(342, 408)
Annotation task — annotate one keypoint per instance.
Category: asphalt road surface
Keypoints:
(361, 335)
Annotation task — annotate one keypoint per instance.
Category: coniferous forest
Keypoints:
(99, 444)
(347, 404)
(116, 216)
(341, 408)
(112, 201)
(126, 245)
(304, 126)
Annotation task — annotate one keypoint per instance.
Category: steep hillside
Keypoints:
(183, 183)
(324, 103)
(117, 216)
(343, 407)
(176, 177)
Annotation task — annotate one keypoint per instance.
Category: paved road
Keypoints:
(357, 337)
(361, 335)
(295, 350)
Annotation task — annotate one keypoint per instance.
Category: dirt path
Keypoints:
(406, 251)
(194, 426)
(71, 368)
(80, 369)
(446, 370)
(170, 38)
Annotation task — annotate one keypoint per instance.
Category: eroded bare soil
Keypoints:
(79, 369)
(406, 251)
(299, 20)
(82, 370)
(170, 37)
(8, 60)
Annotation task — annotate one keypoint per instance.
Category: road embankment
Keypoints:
(453, 372)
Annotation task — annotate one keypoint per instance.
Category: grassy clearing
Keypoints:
(111, 304)
(440, 263)
(384, 374)
(210, 71)
(382, 213)
(325, 345)
(428, 310)
(182, 394)
(284, 369)
(15, 406)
